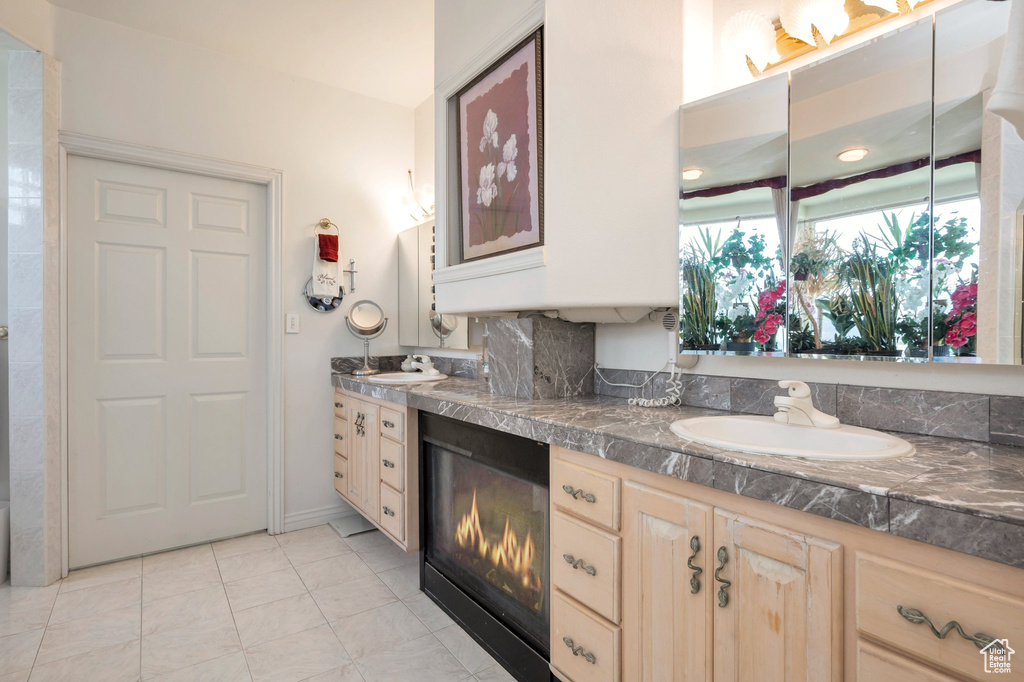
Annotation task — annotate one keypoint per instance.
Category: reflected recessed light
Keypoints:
(851, 155)
(692, 173)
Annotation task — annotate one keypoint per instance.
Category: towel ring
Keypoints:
(324, 225)
(322, 305)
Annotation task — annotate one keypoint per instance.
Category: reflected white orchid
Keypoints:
(490, 130)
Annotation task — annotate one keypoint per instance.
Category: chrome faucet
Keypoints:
(798, 409)
(424, 364)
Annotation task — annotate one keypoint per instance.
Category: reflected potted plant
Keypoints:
(956, 330)
(814, 267)
(771, 312)
(870, 279)
(699, 306)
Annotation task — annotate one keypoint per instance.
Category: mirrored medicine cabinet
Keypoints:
(419, 323)
(865, 207)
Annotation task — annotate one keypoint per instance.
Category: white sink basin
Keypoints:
(765, 436)
(406, 378)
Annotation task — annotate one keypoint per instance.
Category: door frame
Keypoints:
(75, 144)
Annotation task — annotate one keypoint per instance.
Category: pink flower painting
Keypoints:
(500, 159)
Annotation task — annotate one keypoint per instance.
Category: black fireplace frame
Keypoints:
(525, 661)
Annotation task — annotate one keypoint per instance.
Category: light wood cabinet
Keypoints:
(378, 477)
(778, 603)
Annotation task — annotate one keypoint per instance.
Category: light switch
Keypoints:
(291, 325)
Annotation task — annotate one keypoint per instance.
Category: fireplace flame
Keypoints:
(511, 554)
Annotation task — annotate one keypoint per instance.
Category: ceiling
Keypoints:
(380, 48)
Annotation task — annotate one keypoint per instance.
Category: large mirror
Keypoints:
(419, 324)
(880, 248)
(733, 221)
(979, 194)
(861, 169)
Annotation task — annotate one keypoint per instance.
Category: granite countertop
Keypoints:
(964, 495)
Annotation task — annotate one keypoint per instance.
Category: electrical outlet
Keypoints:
(291, 324)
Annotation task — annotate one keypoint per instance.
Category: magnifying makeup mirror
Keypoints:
(365, 320)
(443, 325)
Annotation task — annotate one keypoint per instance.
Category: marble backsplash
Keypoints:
(971, 416)
(540, 357)
(453, 367)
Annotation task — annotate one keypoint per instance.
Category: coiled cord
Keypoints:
(672, 393)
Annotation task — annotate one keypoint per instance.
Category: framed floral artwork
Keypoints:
(500, 133)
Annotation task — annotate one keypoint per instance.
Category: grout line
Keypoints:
(231, 611)
(47, 627)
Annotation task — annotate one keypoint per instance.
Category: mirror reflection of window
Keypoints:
(976, 252)
(860, 200)
(733, 221)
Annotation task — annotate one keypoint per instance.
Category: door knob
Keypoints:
(3, 332)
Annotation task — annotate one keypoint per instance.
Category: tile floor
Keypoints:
(305, 605)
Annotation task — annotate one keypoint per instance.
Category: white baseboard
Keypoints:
(315, 517)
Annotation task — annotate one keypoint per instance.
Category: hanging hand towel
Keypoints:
(1007, 98)
(326, 277)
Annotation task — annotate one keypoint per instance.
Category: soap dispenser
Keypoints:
(407, 364)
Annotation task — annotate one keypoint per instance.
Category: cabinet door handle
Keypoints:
(980, 639)
(723, 596)
(579, 651)
(339, 405)
(338, 474)
(579, 565)
(388, 511)
(388, 424)
(388, 463)
(338, 436)
(578, 493)
(697, 570)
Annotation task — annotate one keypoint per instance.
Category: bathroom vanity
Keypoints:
(675, 560)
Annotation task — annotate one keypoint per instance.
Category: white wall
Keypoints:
(30, 21)
(344, 156)
(423, 167)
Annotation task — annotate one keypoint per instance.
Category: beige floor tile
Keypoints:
(277, 619)
(89, 634)
(386, 557)
(243, 545)
(307, 534)
(17, 652)
(171, 582)
(20, 676)
(327, 572)
(230, 668)
(252, 563)
(429, 613)
(314, 548)
(348, 673)
(297, 657)
(118, 663)
(376, 630)
(188, 557)
(424, 660)
(470, 654)
(172, 650)
(495, 674)
(352, 597)
(99, 575)
(364, 541)
(92, 600)
(25, 608)
(184, 609)
(403, 581)
(263, 589)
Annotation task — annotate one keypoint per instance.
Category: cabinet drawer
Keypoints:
(340, 437)
(877, 664)
(341, 475)
(585, 564)
(883, 584)
(392, 513)
(583, 646)
(392, 424)
(339, 404)
(586, 493)
(392, 464)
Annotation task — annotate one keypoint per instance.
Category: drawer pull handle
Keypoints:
(338, 436)
(577, 493)
(388, 424)
(723, 596)
(579, 565)
(697, 570)
(388, 463)
(579, 651)
(338, 474)
(389, 511)
(980, 639)
(339, 405)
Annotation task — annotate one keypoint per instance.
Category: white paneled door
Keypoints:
(167, 359)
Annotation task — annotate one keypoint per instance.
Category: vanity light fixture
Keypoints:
(853, 154)
(893, 6)
(692, 173)
(750, 35)
(419, 202)
(815, 22)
